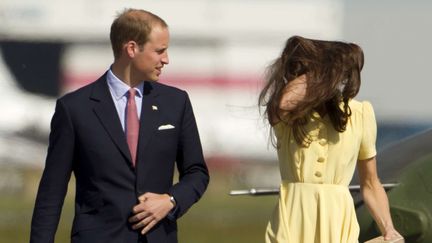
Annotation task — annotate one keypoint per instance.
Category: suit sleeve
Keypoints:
(55, 177)
(193, 172)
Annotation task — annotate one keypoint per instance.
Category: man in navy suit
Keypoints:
(122, 137)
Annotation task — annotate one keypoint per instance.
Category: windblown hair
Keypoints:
(332, 70)
(135, 25)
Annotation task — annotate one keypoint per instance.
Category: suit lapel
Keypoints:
(106, 112)
(149, 116)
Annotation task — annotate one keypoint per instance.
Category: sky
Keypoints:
(395, 37)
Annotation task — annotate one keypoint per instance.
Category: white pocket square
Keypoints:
(165, 127)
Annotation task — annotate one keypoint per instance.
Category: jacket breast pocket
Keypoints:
(167, 135)
(167, 128)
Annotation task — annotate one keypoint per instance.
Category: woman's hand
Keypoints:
(375, 198)
(293, 92)
(391, 234)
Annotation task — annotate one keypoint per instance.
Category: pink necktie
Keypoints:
(132, 125)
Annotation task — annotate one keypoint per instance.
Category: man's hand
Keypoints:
(151, 209)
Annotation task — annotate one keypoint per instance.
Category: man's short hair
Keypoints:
(133, 25)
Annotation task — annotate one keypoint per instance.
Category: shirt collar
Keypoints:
(119, 88)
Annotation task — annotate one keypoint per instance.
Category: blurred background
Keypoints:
(219, 51)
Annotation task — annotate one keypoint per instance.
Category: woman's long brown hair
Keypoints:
(332, 70)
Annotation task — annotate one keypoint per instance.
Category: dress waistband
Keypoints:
(306, 184)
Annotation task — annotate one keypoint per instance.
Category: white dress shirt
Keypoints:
(119, 92)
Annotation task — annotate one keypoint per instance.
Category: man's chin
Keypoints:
(156, 78)
(153, 79)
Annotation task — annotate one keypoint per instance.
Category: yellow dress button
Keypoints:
(323, 142)
(321, 160)
(318, 174)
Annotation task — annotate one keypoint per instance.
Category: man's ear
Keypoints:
(130, 48)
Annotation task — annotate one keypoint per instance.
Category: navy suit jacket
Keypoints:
(87, 139)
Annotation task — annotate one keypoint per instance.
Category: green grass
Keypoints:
(217, 217)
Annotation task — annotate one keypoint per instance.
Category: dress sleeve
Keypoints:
(279, 130)
(367, 146)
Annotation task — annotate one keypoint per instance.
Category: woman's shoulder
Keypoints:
(360, 106)
(280, 125)
(280, 130)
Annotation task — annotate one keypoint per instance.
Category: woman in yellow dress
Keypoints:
(322, 134)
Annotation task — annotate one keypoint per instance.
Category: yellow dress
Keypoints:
(315, 205)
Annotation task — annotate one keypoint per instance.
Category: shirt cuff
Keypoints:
(172, 214)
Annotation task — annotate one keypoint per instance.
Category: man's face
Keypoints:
(152, 56)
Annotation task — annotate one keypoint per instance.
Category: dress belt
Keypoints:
(285, 182)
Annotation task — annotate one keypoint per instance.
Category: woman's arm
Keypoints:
(293, 92)
(375, 198)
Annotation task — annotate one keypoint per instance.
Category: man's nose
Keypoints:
(165, 59)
